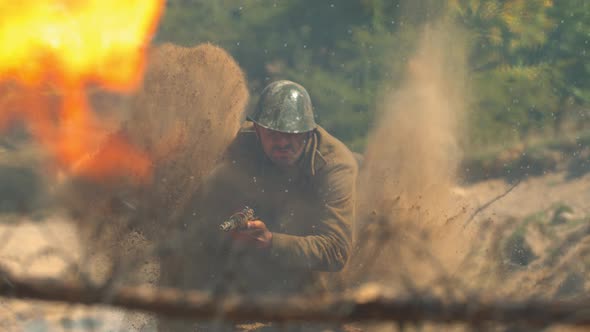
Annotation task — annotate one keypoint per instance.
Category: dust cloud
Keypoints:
(408, 207)
(186, 112)
(118, 230)
(421, 230)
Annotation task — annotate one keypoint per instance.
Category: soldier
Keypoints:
(300, 182)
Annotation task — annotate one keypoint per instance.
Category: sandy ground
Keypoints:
(46, 248)
(531, 195)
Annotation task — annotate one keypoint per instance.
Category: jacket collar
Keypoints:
(313, 160)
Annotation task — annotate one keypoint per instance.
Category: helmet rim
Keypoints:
(284, 106)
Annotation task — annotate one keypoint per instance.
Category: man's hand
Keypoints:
(256, 235)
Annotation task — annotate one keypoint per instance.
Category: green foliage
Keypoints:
(514, 96)
(527, 58)
(568, 52)
(512, 103)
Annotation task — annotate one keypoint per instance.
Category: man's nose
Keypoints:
(281, 140)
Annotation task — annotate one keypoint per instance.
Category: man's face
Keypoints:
(282, 148)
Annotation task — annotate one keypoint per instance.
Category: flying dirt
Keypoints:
(421, 229)
(411, 168)
(187, 110)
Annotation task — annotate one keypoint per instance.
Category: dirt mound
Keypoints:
(534, 241)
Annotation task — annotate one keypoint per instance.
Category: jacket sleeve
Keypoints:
(329, 244)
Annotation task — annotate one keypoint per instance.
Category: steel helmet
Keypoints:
(284, 106)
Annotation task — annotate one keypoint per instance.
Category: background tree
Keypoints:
(527, 58)
(567, 51)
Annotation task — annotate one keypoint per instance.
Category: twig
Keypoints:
(492, 201)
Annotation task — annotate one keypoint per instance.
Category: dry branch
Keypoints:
(492, 201)
(366, 304)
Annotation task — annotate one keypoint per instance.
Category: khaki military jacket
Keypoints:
(309, 209)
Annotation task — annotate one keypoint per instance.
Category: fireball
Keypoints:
(60, 48)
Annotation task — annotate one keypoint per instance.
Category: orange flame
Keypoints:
(68, 45)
